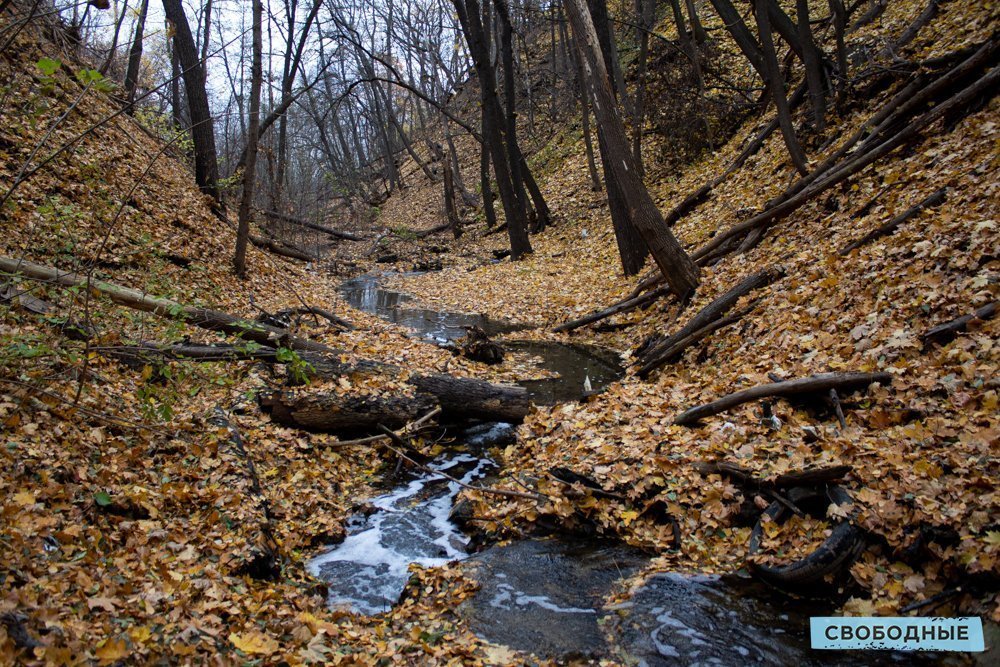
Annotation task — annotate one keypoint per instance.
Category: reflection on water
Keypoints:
(578, 366)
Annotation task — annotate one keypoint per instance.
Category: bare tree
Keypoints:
(680, 273)
(250, 169)
(202, 128)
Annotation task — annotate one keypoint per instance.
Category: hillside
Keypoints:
(922, 450)
(154, 513)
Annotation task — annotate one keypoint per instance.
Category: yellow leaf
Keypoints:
(628, 516)
(140, 634)
(24, 498)
(111, 650)
(254, 642)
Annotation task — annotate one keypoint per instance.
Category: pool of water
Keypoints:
(577, 366)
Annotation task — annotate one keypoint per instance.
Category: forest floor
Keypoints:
(130, 522)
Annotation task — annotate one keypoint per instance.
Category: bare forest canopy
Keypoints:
(779, 216)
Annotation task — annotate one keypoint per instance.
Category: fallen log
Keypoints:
(985, 85)
(673, 352)
(460, 397)
(285, 315)
(470, 398)
(145, 353)
(933, 200)
(653, 358)
(822, 382)
(333, 412)
(204, 318)
(282, 248)
(623, 306)
(336, 233)
(814, 476)
(688, 204)
(947, 332)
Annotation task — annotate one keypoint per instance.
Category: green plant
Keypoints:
(298, 368)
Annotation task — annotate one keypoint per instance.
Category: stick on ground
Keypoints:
(823, 382)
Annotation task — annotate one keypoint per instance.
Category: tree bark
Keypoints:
(250, 169)
(813, 384)
(336, 412)
(813, 62)
(135, 56)
(935, 199)
(204, 318)
(206, 166)
(472, 26)
(680, 273)
(776, 84)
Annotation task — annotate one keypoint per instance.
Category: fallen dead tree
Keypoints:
(149, 353)
(813, 384)
(744, 476)
(623, 306)
(881, 142)
(458, 397)
(656, 353)
(947, 332)
(204, 318)
(935, 199)
(337, 412)
(329, 231)
(282, 248)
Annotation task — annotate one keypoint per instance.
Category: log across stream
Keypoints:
(552, 596)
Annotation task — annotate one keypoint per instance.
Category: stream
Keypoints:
(551, 596)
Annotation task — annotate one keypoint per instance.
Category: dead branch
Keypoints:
(336, 233)
(945, 333)
(654, 357)
(822, 382)
(204, 318)
(623, 306)
(935, 199)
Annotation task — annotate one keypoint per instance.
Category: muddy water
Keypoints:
(552, 597)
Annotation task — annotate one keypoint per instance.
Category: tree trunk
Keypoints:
(135, 56)
(336, 412)
(776, 84)
(700, 36)
(645, 15)
(250, 169)
(206, 167)
(839, 13)
(680, 273)
(584, 93)
(813, 65)
(807, 385)
(472, 26)
(114, 39)
(741, 34)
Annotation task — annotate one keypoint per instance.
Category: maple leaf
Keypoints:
(254, 643)
(24, 498)
(107, 604)
(111, 650)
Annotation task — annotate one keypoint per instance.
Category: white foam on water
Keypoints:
(367, 571)
(508, 595)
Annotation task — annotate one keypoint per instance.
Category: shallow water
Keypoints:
(367, 571)
(551, 597)
(577, 365)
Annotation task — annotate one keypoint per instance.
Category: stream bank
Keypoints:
(554, 597)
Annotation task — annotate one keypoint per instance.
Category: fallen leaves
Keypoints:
(253, 643)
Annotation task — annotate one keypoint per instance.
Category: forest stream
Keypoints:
(552, 596)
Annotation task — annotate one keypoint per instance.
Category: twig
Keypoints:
(410, 428)
(471, 487)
